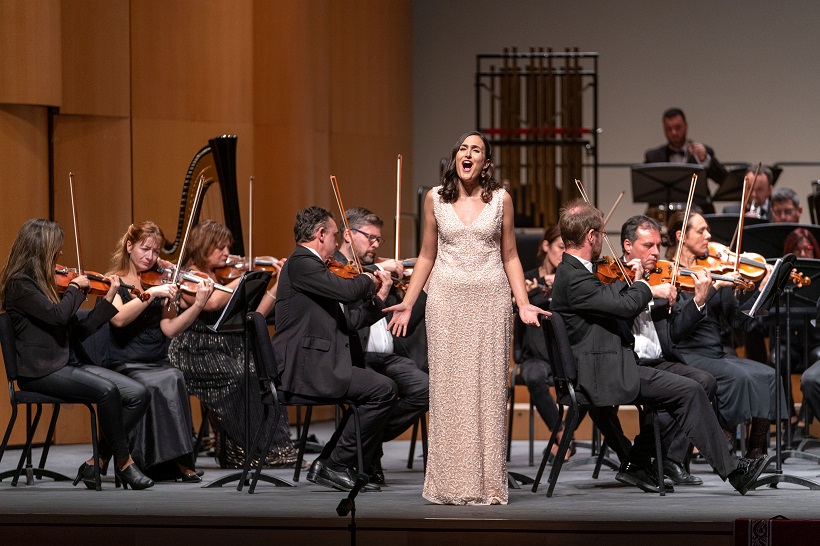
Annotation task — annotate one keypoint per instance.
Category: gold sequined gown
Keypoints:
(469, 320)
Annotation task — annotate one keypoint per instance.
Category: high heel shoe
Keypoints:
(86, 474)
(132, 476)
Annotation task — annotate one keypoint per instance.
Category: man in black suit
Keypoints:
(655, 335)
(597, 318)
(761, 190)
(680, 149)
(312, 344)
(375, 341)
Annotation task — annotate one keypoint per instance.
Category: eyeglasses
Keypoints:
(783, 212)
(371, 238)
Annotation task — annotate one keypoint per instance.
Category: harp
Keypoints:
(220, 202)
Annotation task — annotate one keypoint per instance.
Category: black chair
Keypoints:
(564, 372)
(258, 339)
(515, 380)
(28, 398)
(420, 423)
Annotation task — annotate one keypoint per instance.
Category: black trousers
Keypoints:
(675, 443)
(121, 402)
(413, 389)
(374, 395)
(536, 375)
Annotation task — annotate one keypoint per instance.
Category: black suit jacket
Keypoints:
(597, 318)
(716, 170)
(312, 343)
(674, 328)
(43, 329)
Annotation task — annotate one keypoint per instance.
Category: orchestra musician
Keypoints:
(313, 347)
(596, 317)
(138, 348)
(786, 207)
(45, 322)
(745, 388)
(374, 342)
(213, 363)
(655, 336)
(759, 201)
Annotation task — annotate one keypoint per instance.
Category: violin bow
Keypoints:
(345, 223)
(398, 204)
(745, 196)
(197, 197)
(692, 185)
(76, 226)
(251, 262)
(580, 186)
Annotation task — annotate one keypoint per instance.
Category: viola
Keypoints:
(685, 281)
(237, 265)
(188, 280)
(98, 284)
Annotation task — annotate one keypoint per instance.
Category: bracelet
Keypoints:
(75, 285)
(271, 296)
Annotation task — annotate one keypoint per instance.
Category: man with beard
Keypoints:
(597, 316)
(375, 342)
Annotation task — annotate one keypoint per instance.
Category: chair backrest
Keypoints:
(263, 357)
(562, 359)
(9, 347)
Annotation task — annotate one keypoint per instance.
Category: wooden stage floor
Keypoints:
(582, 510)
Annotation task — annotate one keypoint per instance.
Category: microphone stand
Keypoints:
(348, 505)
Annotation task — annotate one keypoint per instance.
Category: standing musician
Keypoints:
(745, 388)
(596, 317)
(375, 340)
(44, 322)
(138, 348)
(213, 364)
(655, 336)
(313, 347)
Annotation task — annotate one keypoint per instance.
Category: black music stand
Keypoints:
(668, 183)
(731, 189)
(723, 226)
(246, 296)
(768, 298)
(767, 239)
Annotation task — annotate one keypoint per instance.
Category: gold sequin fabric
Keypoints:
(469, 320)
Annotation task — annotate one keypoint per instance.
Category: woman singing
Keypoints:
(44, 323)
(469, 255)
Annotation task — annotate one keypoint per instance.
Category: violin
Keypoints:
(608, 272)
(188, 280)
(752, 266)
(98, 284)
(237, 265)
(349, 271)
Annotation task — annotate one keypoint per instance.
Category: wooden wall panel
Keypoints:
(30, 52)
(190, 58)
(162, 152)
(95, 57)
(98, 151)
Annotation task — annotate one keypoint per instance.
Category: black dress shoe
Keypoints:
(376, 473)
(86, 474)
(643, 477)
(343, 480)
(678, 474)
(747, 471)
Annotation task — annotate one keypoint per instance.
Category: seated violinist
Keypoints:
(313, 347)
(745, 388)
(375, 340)
(655, 335)
(138, 348)
(44, 323)
(213, 363)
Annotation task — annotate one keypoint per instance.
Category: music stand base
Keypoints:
(514, 478)
(774, 479)
(38, 473)
(807, 442)
(236, 476)
(797, 454)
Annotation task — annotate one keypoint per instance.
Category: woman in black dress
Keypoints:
(138, 348)
(44, 322)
